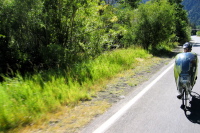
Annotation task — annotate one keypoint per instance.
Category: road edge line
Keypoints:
(122, 111)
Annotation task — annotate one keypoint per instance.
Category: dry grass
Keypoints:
(68, 119)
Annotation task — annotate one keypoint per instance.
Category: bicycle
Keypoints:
(186, 98)
(185, 73)
(186, 89)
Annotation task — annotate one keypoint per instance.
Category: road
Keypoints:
(153, 107)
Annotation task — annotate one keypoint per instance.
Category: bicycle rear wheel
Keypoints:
(185, 99)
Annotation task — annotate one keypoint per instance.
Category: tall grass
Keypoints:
(25, 100)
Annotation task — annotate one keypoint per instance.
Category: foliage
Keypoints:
(45, 34)
(67, 44)
(33, 30)
(125, 35)
(183, 30)
(198, 33)
(132, 3)
(154, 23)
(24, 100)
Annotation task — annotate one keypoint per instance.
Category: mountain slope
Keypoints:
(193, 9)
(192, 6)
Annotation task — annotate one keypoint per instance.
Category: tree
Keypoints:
(133, 3)
(183, 30)
(48, 33)
(154, 23)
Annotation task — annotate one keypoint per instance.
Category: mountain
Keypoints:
(193, 8)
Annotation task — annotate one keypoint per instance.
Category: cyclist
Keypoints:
(187, 47)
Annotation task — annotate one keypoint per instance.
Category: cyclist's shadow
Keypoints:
(193, 112)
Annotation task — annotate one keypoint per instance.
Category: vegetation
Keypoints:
(183, 30)
(198, 33)
(52, 51)
(26, 99)
(155, 24)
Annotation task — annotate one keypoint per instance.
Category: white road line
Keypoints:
(122, 111)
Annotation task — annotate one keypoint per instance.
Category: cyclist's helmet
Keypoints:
(187, 45)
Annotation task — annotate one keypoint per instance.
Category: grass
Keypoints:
(26, 100)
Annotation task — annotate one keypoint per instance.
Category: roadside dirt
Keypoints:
(71, 120)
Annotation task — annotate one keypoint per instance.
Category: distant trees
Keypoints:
(133, 3)
(198, 33)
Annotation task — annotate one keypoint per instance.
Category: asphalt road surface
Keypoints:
(153, 107)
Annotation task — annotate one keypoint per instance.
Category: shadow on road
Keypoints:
(193, 112)
(196, 45)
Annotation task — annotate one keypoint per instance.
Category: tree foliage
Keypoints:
(133, 3)
(183, 29)
(155, 23)
(48, 33)
(44, 34)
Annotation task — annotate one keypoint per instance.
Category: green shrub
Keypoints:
(198, 33)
